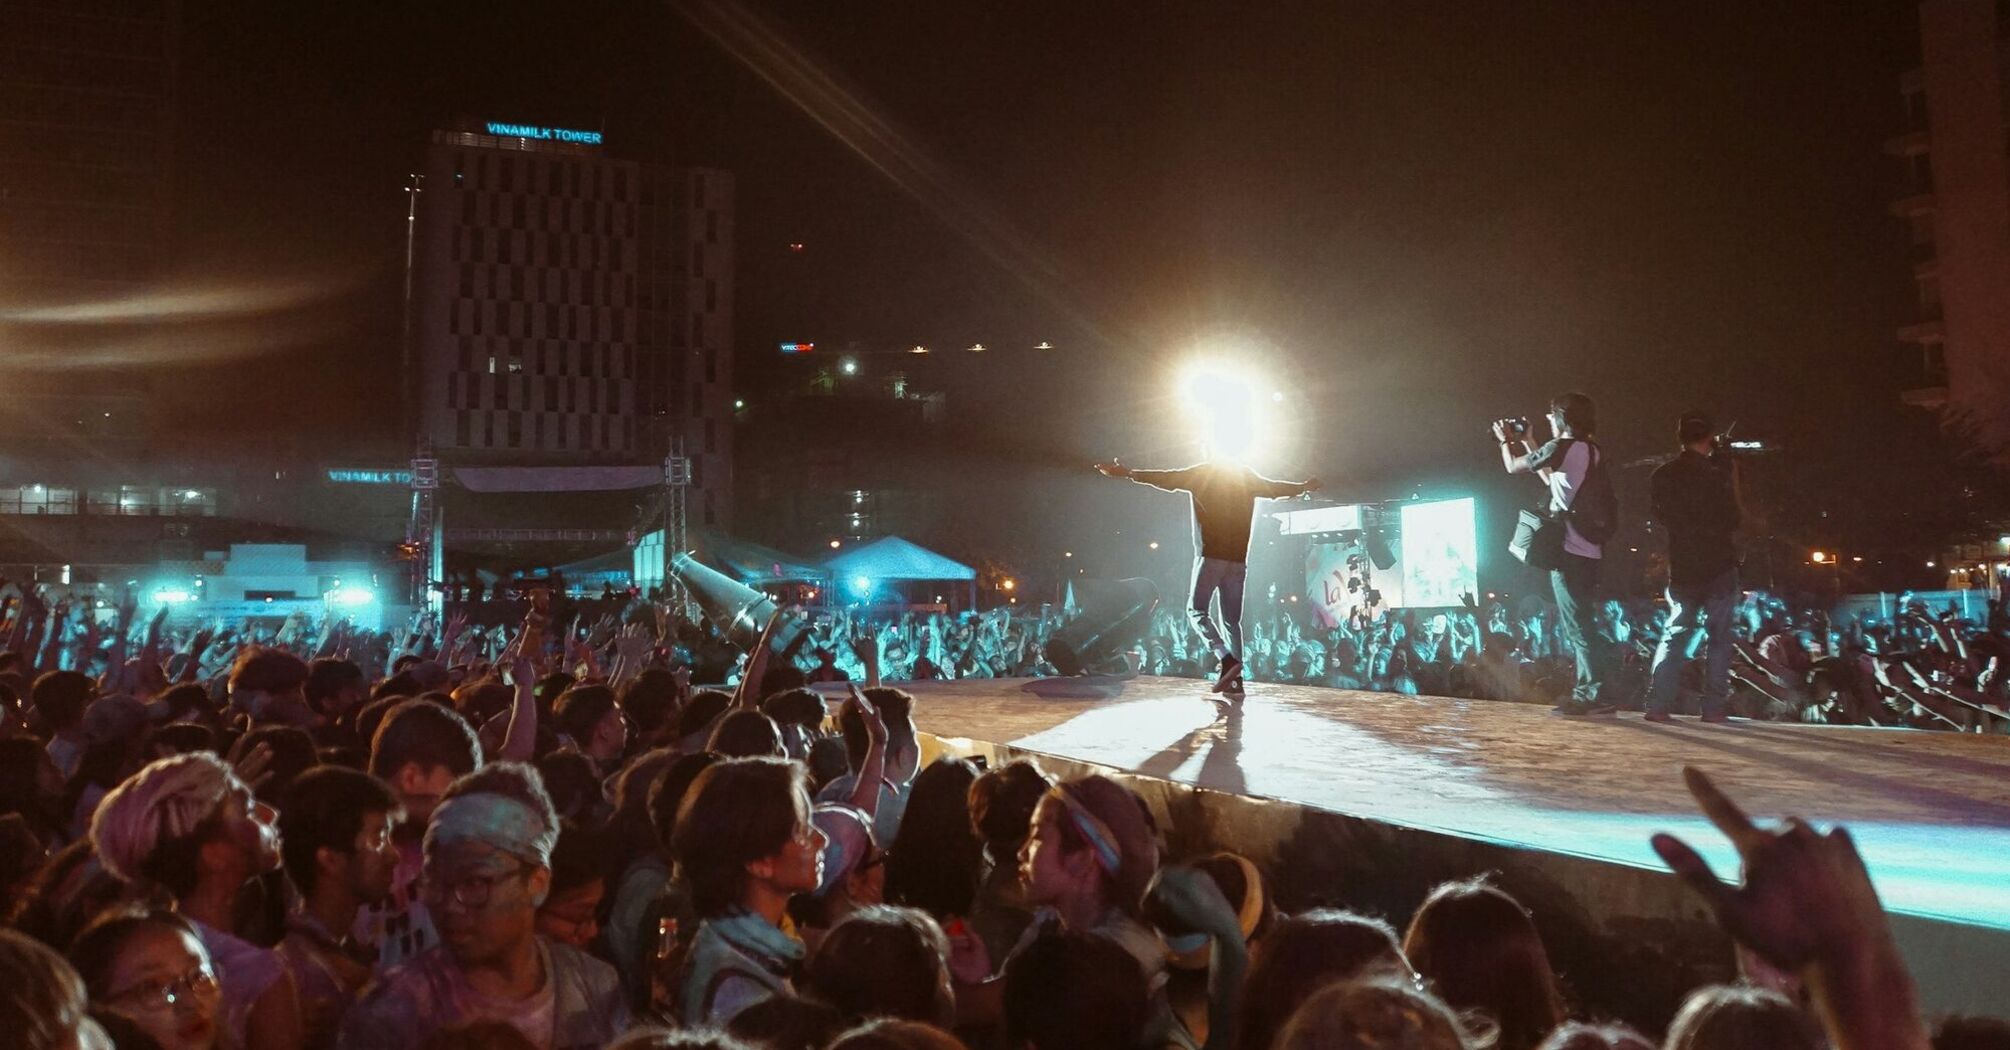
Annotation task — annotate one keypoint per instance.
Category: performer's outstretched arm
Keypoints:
(1271, 488)
(1169, 480)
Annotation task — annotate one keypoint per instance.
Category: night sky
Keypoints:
(1413, 217)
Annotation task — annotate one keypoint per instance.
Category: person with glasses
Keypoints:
(188, 827)
(487, 868)
(337, 847)
(854, 871)
(745, 844)
(150, 968)
(579, 865)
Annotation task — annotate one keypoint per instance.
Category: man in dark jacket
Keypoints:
(1224, 506)
(1695, 498)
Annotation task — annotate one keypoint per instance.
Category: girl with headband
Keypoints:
(1092, 853)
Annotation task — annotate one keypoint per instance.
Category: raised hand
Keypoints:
(254, 767)
(1806, 895)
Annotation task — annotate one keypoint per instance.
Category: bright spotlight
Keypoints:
(848, 367)
(351, 596)
(172, 596)
(1820, 557)
(1221, 407)
(861, 586)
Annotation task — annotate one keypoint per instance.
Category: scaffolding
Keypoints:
(676, 518)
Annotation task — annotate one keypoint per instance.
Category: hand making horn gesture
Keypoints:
(1807, 904)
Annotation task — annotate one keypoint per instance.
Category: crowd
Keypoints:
(1917, 667)
(450, 838)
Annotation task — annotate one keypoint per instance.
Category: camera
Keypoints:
(1518, 424)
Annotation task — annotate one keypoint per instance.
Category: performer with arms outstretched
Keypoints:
(1224, 507)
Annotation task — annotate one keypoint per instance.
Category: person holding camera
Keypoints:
(1696, 500)
(1567, 464)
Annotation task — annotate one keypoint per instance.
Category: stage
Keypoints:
(1367, 798)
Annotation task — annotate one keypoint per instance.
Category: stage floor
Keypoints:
(1930, 811)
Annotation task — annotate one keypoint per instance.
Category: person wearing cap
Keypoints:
(187, 826)
(854, 871)
(1695, 498)
(487, 869)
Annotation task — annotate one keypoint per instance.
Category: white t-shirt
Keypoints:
(1565, 479)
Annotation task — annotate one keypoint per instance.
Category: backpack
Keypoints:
(1594, 507)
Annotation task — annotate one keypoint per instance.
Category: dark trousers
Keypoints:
(1696, 609)
(1576, 586)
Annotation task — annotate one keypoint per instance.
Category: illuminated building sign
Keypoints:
(798, 348)
(532, 131)
(357, 476)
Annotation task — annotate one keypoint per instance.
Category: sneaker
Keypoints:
(1230, 672)
(1718, 719)
(1660, 716)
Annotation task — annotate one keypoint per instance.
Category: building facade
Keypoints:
(1954, 198)
(87, 103)
(571, 308)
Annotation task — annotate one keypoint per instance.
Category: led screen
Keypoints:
(1440, 553)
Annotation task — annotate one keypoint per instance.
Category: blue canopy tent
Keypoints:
(866, 572)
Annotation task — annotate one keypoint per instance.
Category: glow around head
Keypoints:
(1221, 407)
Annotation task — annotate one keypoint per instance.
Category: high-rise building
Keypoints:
(87, 92)
(1955, 200)
(571, 308)
(87, 95)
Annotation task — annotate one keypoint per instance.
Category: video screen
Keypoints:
(1440, 553)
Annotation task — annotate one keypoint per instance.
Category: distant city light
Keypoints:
(1043, 345)
(848, 367)
(977, 348)
(919, 350)
(796, 247)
